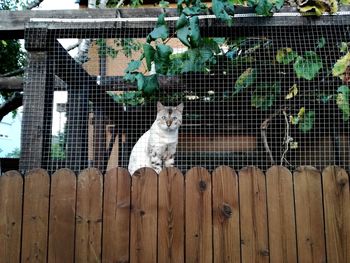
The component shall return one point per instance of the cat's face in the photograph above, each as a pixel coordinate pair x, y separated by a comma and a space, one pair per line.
169, 118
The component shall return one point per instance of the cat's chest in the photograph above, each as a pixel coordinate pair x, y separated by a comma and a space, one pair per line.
163, 139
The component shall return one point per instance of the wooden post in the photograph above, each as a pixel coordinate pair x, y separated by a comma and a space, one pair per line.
38, 92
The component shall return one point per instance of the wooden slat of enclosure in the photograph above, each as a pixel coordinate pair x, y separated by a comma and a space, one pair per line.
88, 230
35, 216
337, 214
198, 222
281, 216
116, 216
62, 216
309, 215
11, 196
226, 233
171, 216
254, 233
144, 198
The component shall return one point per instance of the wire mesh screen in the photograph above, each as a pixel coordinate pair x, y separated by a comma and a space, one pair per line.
264, 95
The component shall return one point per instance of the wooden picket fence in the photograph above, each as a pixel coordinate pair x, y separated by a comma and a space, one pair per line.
277, 217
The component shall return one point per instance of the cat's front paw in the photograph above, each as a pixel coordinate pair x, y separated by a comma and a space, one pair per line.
169, 163
157, 169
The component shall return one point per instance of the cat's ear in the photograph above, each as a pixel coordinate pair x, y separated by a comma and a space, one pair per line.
180, 107
159, 106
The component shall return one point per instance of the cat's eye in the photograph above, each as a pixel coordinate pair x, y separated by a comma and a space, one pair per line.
174, 118
163, 117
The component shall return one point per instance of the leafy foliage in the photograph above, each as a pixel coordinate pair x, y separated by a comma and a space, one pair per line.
308, 66
318, 7
266, 7
265, 95
286, 55
343, 101
341, 65
246, 79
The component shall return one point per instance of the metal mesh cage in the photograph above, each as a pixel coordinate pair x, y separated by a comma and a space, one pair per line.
254, 104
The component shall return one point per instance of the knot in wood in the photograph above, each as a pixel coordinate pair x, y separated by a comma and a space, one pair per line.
202, 185
226, 210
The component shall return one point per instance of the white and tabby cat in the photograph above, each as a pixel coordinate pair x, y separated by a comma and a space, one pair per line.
156, 147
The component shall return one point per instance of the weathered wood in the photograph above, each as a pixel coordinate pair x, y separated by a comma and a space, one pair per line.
171, 216
62, 216
198, 218
88, 229
144, 198
281, 216
309, 215
337, 214
11, 197
35, 216
37, 112
226, 233
116, 216
253, 212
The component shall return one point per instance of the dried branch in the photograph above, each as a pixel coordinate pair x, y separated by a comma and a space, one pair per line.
13, 103
263, 127
287, 138
13, 73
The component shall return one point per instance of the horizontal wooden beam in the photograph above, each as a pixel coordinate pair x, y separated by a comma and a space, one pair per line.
11, 83
12, 23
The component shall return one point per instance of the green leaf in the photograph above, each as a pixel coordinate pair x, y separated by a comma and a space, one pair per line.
162, 58
308, 66
285, 55
246, 79
149, 52
343, 101
307, 122
195, 34
132, 98
164, 4
133, 66
341, 65
343, 47
321, 42
223, 10
265, 95
147, 84
188, 31
160, 31
266, 7
293, 91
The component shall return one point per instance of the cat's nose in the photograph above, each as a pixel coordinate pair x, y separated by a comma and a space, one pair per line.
168, 123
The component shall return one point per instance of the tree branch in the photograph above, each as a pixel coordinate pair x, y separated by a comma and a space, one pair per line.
13, 103
13, 73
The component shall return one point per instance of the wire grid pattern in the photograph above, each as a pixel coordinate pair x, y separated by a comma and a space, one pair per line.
219, 127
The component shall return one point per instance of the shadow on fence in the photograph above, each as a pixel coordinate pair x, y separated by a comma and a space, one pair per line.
224, 216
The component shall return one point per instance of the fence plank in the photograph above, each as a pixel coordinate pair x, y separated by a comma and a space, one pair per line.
254, 233
226, 216
280, 200
11, 194
337, 214
309, 215
62, 216
35, 216
144, 197
198, 222
88, 216
116, 216
171, 219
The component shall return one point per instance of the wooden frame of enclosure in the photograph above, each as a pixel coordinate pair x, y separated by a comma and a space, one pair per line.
36, 94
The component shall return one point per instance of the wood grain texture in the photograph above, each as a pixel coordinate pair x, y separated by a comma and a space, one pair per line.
226, 232
11, 196
35, 216
116, 216
144, 198
171, 216
253, 212
337, 214
281, 216
62, 216
309, 215
88, 229
198, 222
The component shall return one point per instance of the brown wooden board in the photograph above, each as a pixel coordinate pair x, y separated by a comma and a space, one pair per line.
144, 198
88, 225
226, 233
11, 196
337, 213
281, 216
62, 216
198, 218
171, 217
253, 212
35, 216
309, 215
116, 216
